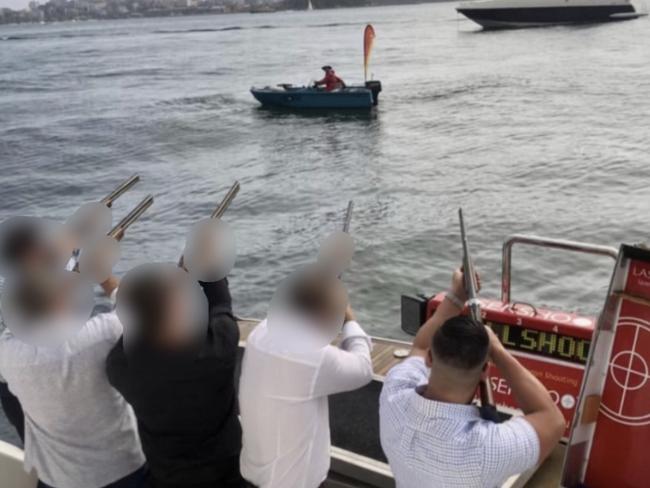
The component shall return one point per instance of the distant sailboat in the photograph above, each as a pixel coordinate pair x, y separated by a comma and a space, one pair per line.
309, 5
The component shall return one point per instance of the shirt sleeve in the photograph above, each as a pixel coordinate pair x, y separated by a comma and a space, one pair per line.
218, 295
348, 367
108, 325
512, 447
407, 375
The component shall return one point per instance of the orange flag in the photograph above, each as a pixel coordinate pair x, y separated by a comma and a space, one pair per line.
368, 39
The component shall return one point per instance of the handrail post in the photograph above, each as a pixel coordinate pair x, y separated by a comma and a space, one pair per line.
572, 246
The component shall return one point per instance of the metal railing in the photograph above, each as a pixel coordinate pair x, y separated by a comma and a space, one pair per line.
572, 246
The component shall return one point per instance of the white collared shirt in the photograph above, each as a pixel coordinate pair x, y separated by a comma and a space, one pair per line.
284, 409
432, 444
79, 431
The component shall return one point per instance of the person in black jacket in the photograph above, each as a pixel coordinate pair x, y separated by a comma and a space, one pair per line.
180, 379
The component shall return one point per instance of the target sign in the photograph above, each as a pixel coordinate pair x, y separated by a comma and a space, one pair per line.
626, 398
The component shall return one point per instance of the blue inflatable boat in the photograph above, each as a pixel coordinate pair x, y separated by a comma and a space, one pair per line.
302, 97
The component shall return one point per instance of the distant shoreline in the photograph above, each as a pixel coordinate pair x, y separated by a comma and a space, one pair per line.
47, 15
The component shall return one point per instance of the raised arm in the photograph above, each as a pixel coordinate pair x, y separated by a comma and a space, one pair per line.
223, 331
348, 367
218, 295
532, 397
450, 307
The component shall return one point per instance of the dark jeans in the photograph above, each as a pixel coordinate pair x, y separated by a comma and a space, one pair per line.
13, 410
225, 475
137, 479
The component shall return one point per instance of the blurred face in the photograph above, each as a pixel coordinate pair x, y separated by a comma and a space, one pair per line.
45, 308
36, 258
330, 318
209, 250
174, 330
45, 254
205, 247
162, 305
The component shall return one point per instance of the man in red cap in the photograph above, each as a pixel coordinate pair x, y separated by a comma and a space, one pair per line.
330, 80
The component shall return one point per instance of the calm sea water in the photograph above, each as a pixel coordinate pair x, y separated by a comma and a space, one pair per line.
539, 131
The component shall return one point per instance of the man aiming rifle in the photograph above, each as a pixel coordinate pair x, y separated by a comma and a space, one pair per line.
26, 248
290, 368
426, 402
75, 451
194, 441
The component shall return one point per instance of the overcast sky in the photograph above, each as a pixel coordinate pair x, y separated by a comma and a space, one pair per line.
14, 4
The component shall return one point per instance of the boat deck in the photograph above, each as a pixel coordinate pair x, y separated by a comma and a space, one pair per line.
354, 418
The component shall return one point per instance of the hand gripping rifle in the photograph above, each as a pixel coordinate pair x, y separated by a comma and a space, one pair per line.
488, 410
218, 212
120, 190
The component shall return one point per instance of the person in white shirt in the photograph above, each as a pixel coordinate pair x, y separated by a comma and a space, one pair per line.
79, 431
433, 435
288, 371
24, 247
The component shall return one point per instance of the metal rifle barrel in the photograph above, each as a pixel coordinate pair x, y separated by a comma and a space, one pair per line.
122, 188
227, 200
469, 276
348, 217
132, 216
487, 398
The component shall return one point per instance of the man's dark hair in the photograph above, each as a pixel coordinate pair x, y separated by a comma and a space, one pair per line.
144, 296
23, 236
461, 343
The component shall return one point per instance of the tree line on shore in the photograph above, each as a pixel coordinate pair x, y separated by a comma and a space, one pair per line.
67, 10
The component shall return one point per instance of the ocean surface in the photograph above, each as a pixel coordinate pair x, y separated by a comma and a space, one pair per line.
541, 131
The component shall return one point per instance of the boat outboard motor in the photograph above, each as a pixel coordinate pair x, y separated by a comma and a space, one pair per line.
375, 87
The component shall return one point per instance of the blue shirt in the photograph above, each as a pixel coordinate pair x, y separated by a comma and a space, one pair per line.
445, 445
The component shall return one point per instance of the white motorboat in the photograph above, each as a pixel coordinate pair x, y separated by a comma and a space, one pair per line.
503, 14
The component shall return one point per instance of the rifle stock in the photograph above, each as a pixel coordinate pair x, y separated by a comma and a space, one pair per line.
488, 410
120, 190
